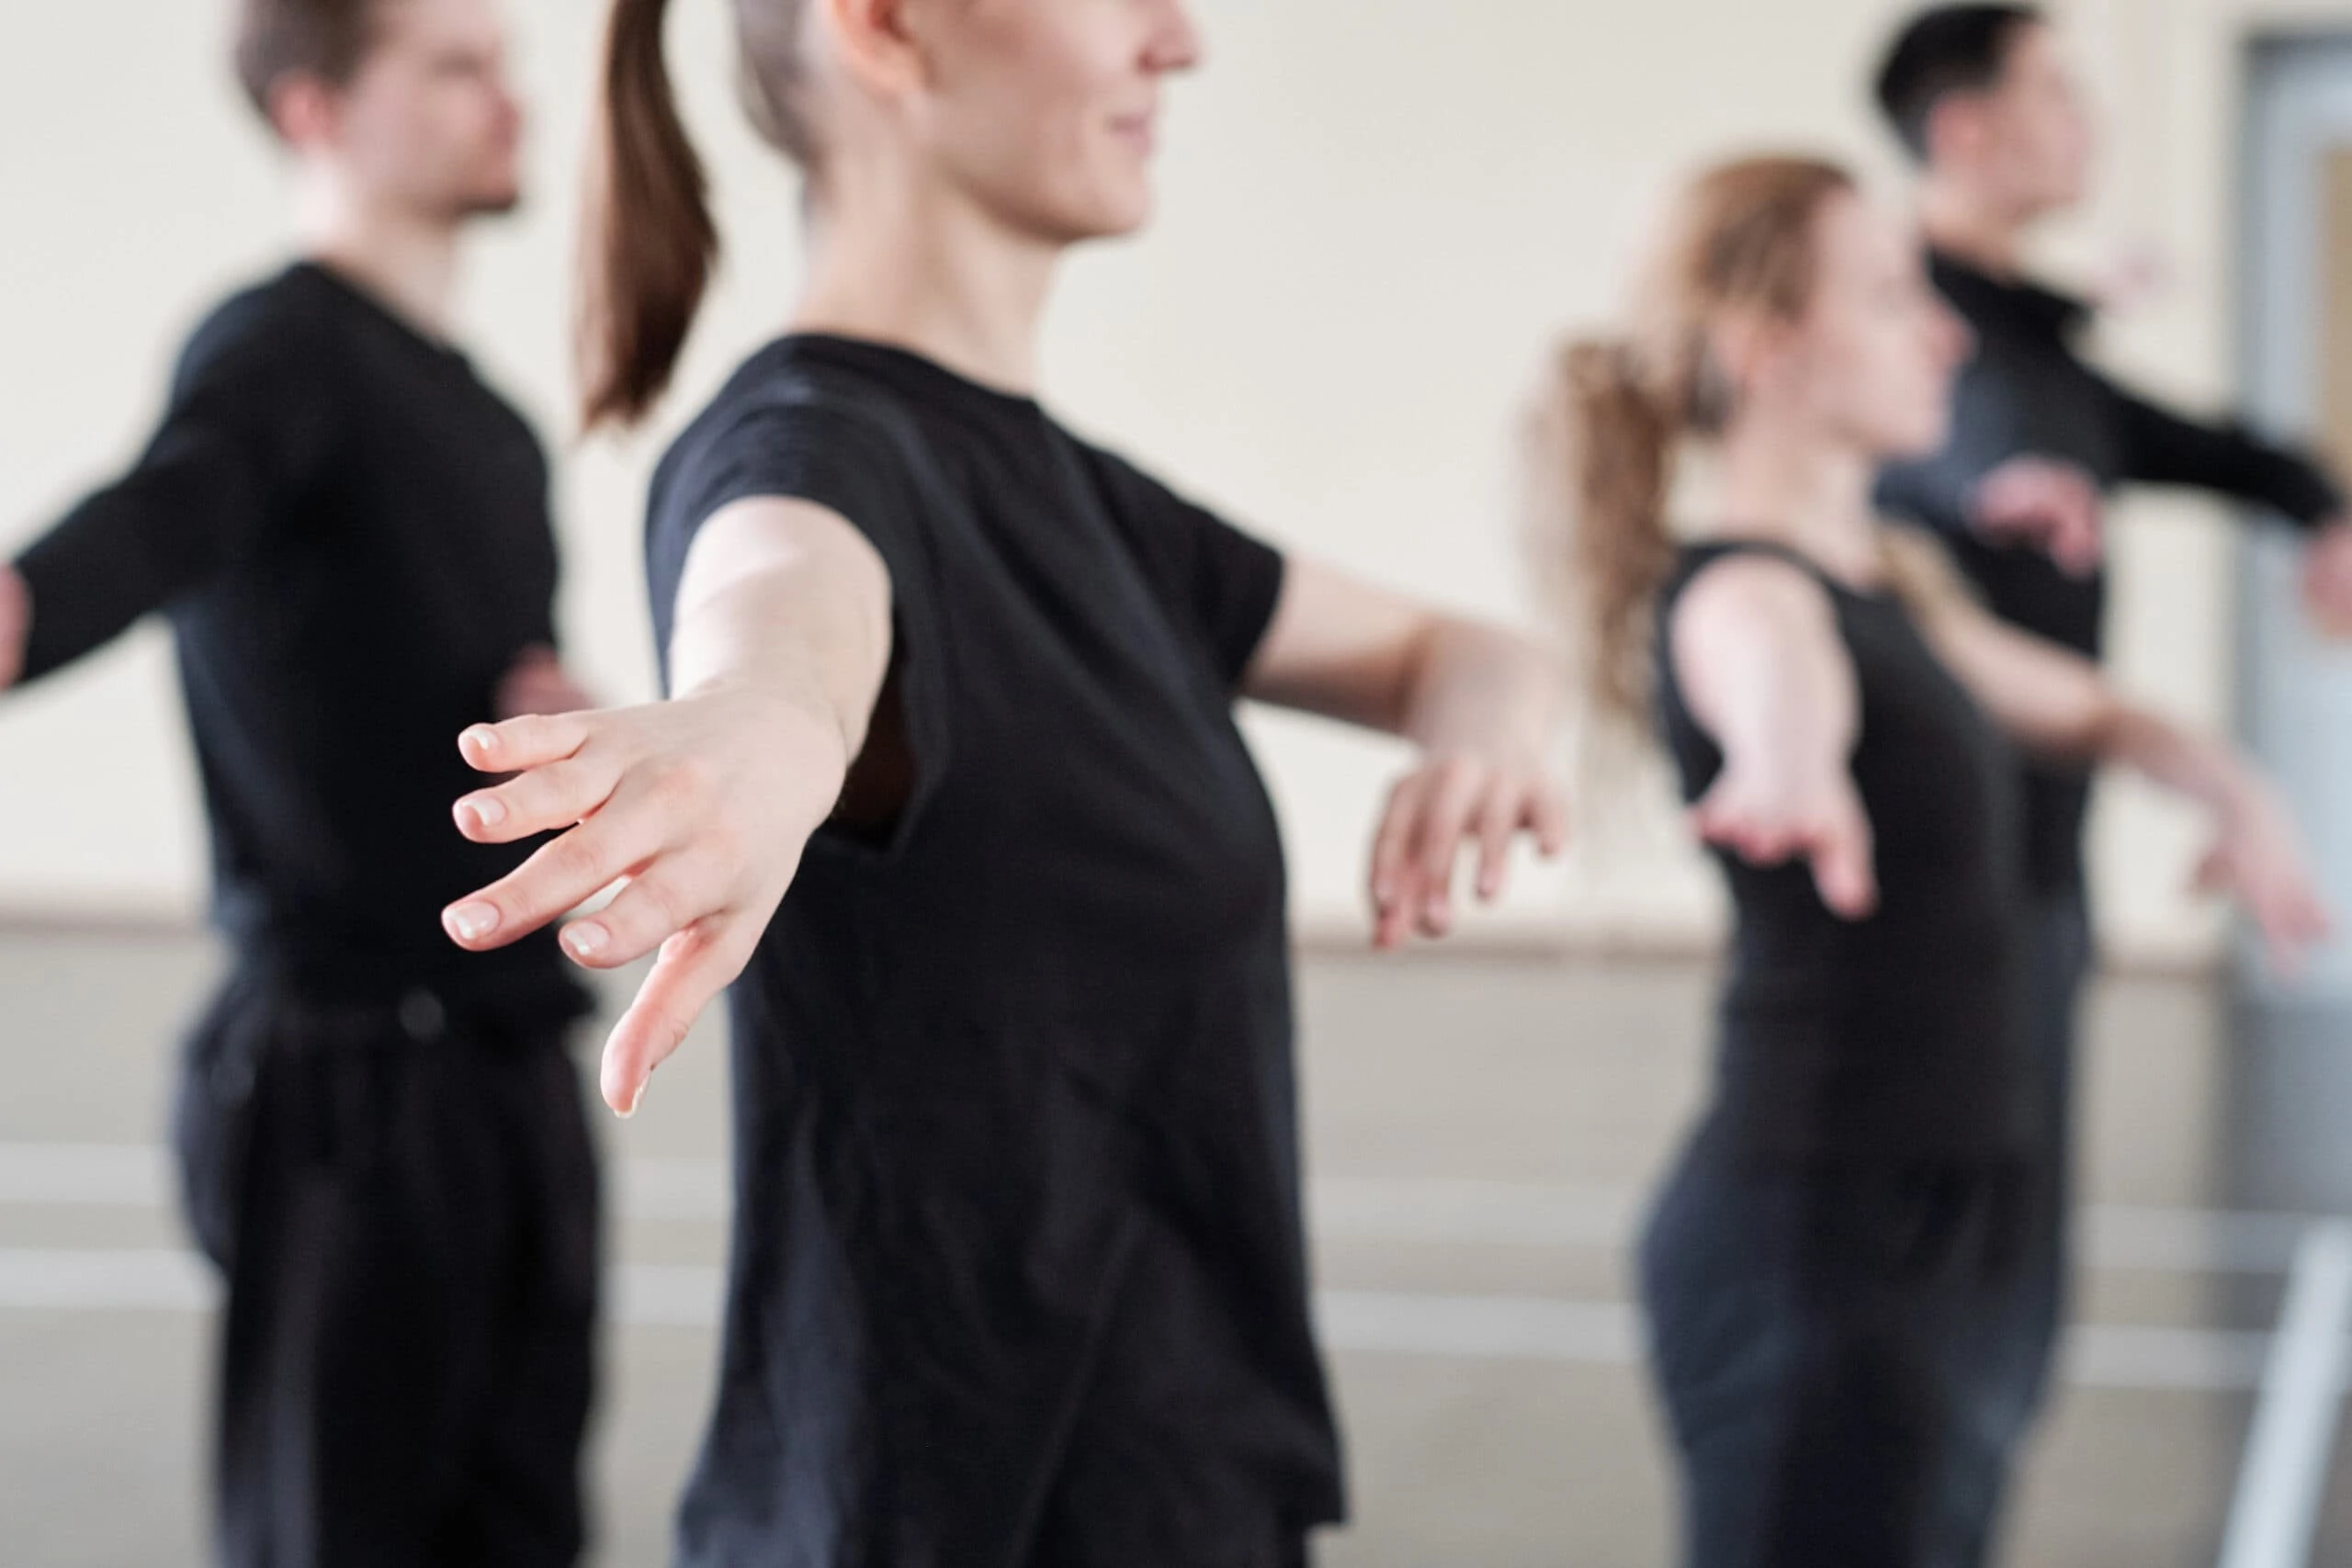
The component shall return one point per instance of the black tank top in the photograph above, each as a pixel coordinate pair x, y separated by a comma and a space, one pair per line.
1891, 1037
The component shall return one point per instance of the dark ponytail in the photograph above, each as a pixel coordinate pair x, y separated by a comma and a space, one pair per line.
649, 242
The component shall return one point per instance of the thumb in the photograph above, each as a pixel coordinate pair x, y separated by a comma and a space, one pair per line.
1715, 816
1843, 870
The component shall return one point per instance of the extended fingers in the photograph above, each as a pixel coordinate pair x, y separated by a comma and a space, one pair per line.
2080, 542
562, 876
2293, 918
1842, 868
1498, 822
1514, 804
1548, 819
1722, 818
694, 966
540, 800
1396, 879
531, 740
1392, 846
669, 895
1447, 815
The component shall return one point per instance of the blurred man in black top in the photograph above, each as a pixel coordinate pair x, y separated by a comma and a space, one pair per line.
383, 1139
1983, 99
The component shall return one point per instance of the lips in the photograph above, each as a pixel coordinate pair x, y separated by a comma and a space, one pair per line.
1140, 131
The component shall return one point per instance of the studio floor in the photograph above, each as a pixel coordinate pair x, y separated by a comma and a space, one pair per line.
1481, 1133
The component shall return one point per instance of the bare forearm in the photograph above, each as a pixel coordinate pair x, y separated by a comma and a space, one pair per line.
776, 613
1474, 687
2197, 766
1797, 716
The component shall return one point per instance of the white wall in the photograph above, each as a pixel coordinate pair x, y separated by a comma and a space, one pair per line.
1375, 213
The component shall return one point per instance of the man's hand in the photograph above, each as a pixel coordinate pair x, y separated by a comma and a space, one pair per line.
539, 687
2327, 578
2046, 505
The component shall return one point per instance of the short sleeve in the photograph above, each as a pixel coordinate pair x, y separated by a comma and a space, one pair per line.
1221, 583
821, 450
816, 451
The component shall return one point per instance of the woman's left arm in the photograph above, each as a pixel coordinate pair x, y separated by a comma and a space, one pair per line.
1483, 704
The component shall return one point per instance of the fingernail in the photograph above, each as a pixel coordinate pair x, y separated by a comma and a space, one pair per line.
471, 922
635, 1101
480, 739
488, 812
586, 940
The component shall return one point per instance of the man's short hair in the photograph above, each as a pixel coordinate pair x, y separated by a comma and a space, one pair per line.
1943, 50
325, 38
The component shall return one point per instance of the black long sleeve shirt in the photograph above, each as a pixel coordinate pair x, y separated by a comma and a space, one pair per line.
350, 533
2029, 392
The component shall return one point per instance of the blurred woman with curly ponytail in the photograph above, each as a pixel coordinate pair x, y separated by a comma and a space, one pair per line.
1841, 1321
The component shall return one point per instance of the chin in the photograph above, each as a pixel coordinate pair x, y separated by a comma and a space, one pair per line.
2061, 197
1906, 438
494, 201
1106, 220
1123, 204
1132, 221
1922, 441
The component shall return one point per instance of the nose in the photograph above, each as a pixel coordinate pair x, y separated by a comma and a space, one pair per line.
1176, 44
512, 114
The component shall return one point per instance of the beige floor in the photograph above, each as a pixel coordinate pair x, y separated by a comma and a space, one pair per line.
1479, 1130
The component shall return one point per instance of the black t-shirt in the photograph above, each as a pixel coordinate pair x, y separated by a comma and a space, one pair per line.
1889, 1038
351, 535
2027, 392
1040, 1023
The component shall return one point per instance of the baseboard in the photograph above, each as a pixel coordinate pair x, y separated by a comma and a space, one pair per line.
1322, 935
129, 918
1338, 936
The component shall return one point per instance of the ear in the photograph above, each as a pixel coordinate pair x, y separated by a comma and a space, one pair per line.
1956, 129
304, 111
1747, 345
877, 41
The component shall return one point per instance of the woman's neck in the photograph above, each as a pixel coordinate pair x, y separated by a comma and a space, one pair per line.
926, 272
1812, 496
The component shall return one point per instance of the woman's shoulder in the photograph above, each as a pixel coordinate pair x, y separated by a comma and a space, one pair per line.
1743, 575
785, 416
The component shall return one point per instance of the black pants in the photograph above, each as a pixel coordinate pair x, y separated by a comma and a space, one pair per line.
1832, 1348
2056, 961
404, 1205
1850, 1361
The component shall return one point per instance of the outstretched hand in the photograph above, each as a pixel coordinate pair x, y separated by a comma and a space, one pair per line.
2046, 505
1434, 812
1768, 821
2260, 859
702, 807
